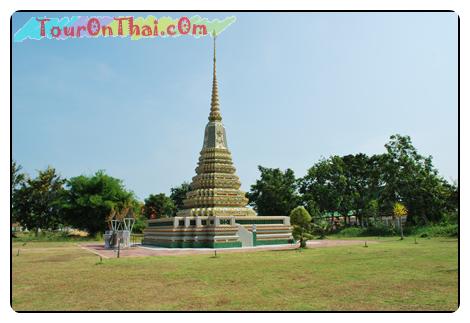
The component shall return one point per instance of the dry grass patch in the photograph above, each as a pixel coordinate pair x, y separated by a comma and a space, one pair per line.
393, 275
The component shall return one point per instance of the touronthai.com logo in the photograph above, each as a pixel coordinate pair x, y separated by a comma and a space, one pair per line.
136, 28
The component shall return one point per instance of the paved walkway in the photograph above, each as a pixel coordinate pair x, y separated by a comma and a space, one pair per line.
142, 251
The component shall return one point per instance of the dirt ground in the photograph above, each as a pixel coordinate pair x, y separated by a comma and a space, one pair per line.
143, 251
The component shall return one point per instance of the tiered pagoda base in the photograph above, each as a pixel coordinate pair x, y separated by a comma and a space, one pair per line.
218, 231
215, 212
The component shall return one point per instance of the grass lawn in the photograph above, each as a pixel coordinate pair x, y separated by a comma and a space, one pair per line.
389, 275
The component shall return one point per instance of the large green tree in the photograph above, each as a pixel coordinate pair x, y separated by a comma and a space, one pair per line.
341, 184
17, 180
275, 193
38, 201
158, 206
326, 186
91, 199
412, 179
360, 184
178, 194
369, 186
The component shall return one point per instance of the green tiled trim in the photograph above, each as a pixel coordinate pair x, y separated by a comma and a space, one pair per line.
235, 244
269, 242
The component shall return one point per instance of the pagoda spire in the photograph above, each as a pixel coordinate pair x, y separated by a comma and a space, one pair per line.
215, 110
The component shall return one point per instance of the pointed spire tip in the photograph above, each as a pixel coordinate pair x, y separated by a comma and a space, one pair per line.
215, 111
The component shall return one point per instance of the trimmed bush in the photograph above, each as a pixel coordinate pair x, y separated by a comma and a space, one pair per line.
438, 230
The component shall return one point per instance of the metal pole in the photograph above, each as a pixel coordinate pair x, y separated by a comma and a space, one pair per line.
119, 247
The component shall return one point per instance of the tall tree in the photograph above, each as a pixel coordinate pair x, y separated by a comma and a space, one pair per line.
178, 194
158, 206
325, 185
38, 201
358, 184
275, 193
412, 179
91, 199
17, 180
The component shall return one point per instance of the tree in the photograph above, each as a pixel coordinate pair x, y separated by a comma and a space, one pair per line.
321, 227
17, 180
412, 179
38, 201
400, 211
326, 186
91, 199
275, 193
178, 194
302, 222
372, 209
358, 193
341, 184
158, 206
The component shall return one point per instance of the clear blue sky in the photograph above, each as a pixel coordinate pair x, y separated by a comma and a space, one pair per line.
293, 87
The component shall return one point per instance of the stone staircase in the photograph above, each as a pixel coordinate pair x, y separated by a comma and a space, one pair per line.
245, 236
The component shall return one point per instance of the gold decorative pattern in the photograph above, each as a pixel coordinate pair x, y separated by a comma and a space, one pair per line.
215, 190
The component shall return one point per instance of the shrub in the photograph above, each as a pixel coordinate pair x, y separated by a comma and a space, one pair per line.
442, 230
139, 225
321, 227
380, 230
437, 230
301, 220
351, 232
50, 236
450, 217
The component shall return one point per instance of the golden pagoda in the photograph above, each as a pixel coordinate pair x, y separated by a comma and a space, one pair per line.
215, 190
215, 213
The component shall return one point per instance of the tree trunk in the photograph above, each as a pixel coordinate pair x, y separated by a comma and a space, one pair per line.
401, 229
425, 219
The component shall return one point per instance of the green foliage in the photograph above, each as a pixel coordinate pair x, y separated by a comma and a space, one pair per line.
158, 206
178, 194
275, 193
17, 180
369, 186
91, 199
412, 179
52, 236
140, 224
443, 230
366, 186
399, 210
340, 184
37, 201
350, 232
300, 216
438, 230
380, 230
450, 217
302, 223
321, 227
372, 209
